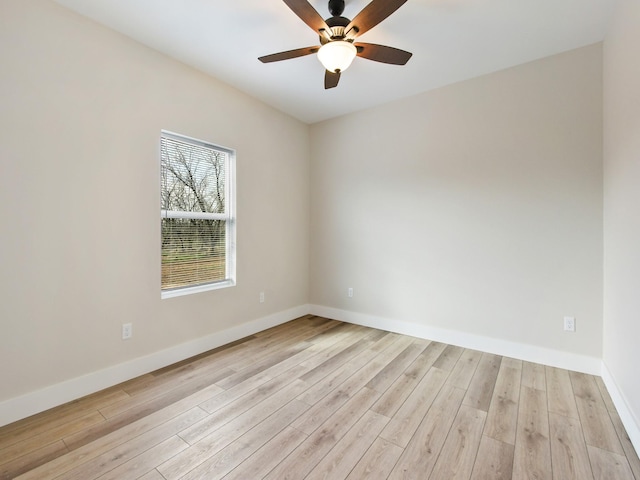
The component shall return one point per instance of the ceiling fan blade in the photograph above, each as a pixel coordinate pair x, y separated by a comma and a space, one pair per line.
373, 14
382, 53
298, 52
308, 14
331, 79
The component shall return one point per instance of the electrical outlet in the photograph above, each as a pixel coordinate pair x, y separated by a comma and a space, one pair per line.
569, 324
261, 297
127, 331
350, 292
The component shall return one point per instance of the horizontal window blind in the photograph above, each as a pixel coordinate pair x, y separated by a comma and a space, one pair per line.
195, 213
193, 177
193, 252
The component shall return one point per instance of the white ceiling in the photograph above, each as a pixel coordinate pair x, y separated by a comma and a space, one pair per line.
451, 40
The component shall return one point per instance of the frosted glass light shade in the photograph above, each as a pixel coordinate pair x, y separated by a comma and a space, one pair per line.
337, 55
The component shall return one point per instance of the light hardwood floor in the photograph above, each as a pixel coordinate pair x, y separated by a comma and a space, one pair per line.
320, 399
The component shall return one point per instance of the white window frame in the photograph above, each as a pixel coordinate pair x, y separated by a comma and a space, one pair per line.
229, 217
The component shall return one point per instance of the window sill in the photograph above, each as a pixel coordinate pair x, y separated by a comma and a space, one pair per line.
178, 292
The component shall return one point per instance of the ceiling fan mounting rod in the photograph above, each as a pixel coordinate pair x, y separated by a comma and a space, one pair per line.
336, 7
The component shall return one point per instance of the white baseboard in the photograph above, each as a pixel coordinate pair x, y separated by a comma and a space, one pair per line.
521, 351
629, 420
49, 397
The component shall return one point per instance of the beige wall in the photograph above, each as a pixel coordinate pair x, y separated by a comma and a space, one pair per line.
475, 208
622, 206
81, 109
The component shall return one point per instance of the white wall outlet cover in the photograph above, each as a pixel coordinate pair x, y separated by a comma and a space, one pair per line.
569, 324
127, 331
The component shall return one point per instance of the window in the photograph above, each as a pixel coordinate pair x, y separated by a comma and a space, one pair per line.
197, 215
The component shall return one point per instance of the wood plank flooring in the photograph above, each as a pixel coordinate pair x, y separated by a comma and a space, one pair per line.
320, 399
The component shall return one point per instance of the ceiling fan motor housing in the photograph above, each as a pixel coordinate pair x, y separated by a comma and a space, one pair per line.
337, 26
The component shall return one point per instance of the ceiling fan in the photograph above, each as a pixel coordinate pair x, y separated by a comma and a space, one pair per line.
337, 48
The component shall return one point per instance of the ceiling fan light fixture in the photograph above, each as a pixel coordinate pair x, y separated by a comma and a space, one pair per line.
336, 56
